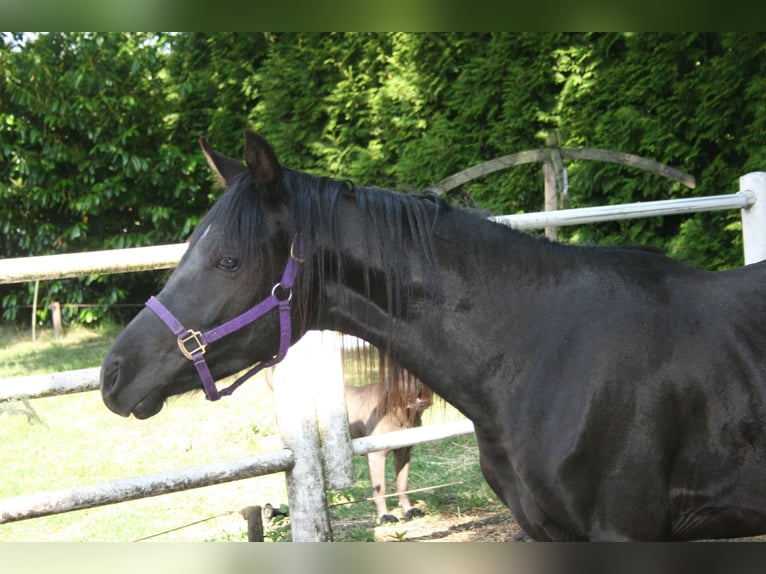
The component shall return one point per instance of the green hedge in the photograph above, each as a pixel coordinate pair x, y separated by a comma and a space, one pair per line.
98, 131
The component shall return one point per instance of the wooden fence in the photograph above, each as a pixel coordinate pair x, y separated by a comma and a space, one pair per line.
313, 430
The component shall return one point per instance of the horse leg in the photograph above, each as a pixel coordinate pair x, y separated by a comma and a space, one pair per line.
402, 466
376, 462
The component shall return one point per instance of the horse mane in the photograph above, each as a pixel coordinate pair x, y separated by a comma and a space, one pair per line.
398, 228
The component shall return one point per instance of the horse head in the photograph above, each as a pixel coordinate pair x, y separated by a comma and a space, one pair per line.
235, 261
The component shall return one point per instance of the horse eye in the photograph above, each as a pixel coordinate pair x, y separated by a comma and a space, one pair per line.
228, 264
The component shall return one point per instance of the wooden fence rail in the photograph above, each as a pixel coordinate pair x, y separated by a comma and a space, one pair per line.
750, 199
59, 501
49, 384
122, 490
68, 265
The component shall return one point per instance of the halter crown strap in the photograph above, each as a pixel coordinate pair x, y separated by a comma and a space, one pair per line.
193, 344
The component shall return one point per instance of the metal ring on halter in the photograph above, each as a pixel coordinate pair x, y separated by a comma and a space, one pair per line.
289, 292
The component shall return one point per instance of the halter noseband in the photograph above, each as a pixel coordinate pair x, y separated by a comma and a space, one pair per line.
193, 344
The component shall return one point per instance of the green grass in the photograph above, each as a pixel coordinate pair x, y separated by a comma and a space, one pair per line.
78, 348
79, 442
453, 462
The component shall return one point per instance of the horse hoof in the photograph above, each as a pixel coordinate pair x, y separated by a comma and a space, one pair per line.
413, 513
388, 518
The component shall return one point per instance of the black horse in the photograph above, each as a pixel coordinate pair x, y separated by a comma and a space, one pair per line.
615, 393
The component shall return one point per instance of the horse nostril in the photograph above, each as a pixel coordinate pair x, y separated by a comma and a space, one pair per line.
110, 383
110, 374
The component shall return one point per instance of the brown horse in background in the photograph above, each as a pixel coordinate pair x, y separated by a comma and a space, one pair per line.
396, 402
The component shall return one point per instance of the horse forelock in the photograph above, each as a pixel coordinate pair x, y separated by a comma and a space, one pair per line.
240, 229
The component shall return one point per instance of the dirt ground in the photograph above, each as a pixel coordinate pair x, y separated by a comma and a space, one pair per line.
496, 525
474, 526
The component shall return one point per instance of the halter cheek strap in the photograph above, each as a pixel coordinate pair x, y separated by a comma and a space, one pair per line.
193, 344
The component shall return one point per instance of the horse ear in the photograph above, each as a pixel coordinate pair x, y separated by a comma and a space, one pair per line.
263, 164
224, 168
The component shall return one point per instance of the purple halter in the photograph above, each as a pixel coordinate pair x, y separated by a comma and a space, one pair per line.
193, 344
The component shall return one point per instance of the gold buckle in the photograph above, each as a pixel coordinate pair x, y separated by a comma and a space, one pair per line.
193, 336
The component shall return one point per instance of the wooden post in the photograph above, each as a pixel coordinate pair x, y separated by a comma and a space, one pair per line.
550, 197
551, 183
34, 311
254, 519
327, 384
296, 418
58, 330
754, 217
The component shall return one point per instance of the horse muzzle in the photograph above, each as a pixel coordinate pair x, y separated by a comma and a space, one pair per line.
119, 396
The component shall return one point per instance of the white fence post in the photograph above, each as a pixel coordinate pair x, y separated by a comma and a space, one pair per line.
307, 371
327, 384
754, 217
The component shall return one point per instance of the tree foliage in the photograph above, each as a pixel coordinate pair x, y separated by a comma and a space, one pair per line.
688, 100
98, 131
82, 146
